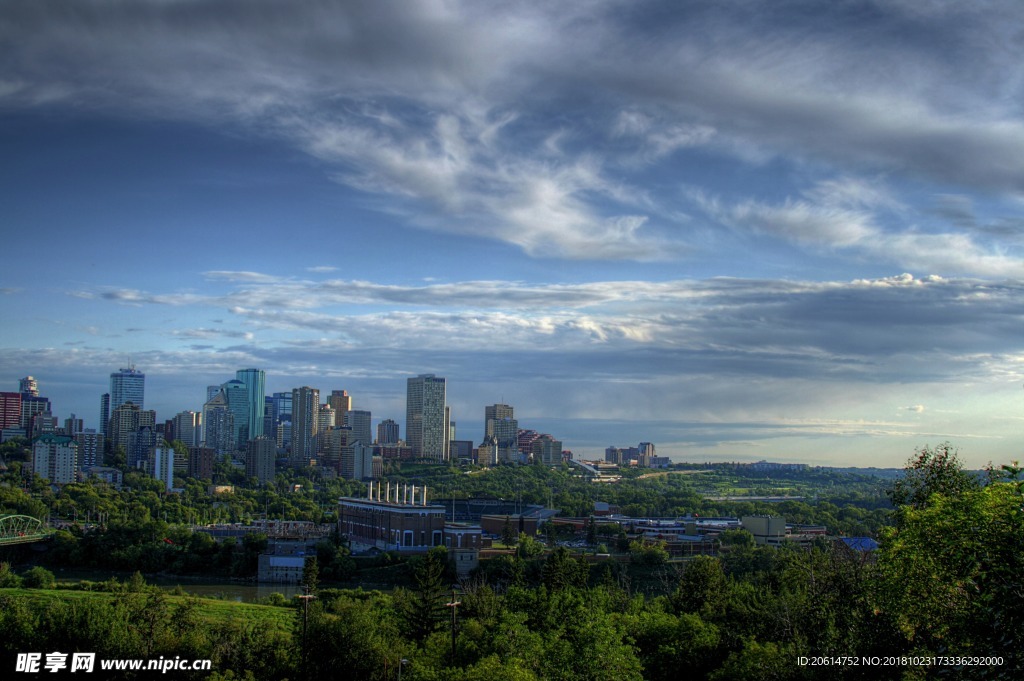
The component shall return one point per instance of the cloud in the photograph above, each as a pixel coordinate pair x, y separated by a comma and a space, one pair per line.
492, 123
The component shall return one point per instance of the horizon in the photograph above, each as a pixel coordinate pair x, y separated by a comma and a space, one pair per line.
738, 231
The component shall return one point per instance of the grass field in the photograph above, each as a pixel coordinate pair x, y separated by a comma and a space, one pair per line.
217, 612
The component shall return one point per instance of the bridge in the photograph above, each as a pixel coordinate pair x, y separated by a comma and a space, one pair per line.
22, 529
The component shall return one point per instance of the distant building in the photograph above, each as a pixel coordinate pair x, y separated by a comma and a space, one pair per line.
111, 476
29, 386
188, 428
55, 457
305, 423
360, 422
32, 406
90, 448
161, 465
236, 395
218, 424
547, 450
73, 426
200, 462
341, 402
254, 381
387, 432
127, 385
426, 419
10, 410
260, 460
356, 461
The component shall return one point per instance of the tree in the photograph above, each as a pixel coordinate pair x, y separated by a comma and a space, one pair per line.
311, 574
423, 608
39, 578
702, 588
509, 536
929, 472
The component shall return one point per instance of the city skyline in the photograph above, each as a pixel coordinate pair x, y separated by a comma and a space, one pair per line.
742, 231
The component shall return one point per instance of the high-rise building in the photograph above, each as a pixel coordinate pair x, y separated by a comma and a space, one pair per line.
127, 385
493, 413
426, 427
237, 397
260, 459
161, 465
254, 380
188, 428
73, 426
28, 386
200, 462
218, 424
305, 422
31, 407
126, 419
325, 421
282, 411
90, 448
547, 450
356, 461
341, 402
360, 421
104, 414
387, 432
55, 457
10, 410
140, 446
211, 392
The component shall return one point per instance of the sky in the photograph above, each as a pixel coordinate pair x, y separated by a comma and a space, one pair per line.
740, 230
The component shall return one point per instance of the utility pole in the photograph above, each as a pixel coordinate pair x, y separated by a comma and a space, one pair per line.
454, 605
305, 616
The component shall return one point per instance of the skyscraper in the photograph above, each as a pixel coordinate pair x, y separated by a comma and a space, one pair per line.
127, 385
493, 413
237, 397
10, 410
387, 432
29, 386
218, 424
360, 422
188, 428
305, 423
254, 380
341, 402
259, 462
426, 427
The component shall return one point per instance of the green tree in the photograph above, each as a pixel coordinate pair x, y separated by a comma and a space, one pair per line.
423, 608
702, 588
929, 472
39, 578
311, 574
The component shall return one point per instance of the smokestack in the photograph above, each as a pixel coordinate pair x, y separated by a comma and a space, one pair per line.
424, 495
369, 491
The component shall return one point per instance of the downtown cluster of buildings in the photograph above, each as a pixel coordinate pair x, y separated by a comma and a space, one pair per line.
240, 422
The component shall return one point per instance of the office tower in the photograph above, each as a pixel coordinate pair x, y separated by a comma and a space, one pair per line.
269, 427
341, 402
218, 424
325, 421
40, 424
31, 407
124, 420
259, 462
90, 448
55, 457
282, 411
10, 410
284, 434
360, 422
73, 425
104, 414
237, 397
305, 420
188, 428
387, 432
28, 386
211, 392
646, 455
127, 385
547, 450
493, 413
356, 461
161, 466
254, 380
425, 428
140, 445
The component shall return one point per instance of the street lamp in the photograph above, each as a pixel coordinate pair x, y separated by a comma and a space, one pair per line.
305, 615
401, 663
454, 605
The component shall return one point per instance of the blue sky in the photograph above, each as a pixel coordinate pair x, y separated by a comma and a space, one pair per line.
740, 230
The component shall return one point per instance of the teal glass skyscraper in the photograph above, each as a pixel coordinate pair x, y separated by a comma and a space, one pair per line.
254, 380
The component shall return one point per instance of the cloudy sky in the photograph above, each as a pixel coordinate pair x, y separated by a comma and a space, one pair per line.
740, 230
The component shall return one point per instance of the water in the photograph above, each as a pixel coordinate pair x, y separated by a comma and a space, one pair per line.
202, 587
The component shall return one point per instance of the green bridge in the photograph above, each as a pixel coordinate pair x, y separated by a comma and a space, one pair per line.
22, 529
